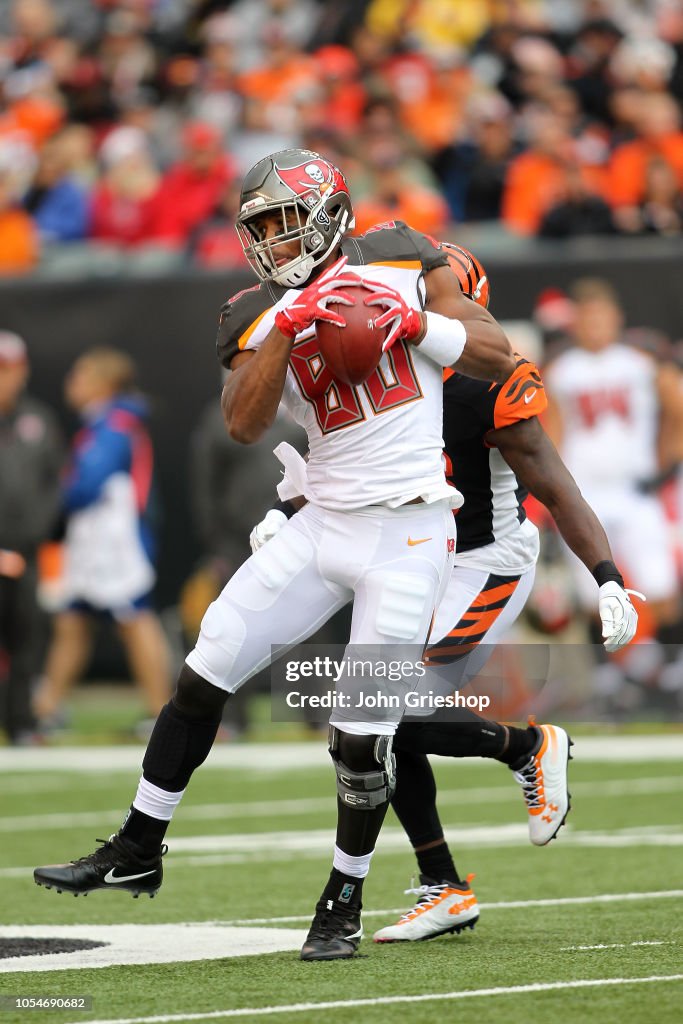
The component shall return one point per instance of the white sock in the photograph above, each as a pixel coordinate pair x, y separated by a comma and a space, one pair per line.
357, 867
155, 802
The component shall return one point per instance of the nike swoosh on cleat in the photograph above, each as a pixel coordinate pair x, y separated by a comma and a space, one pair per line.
112, 879
422, 540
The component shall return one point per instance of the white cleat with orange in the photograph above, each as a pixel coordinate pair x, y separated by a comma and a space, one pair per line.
544, 783
441, 909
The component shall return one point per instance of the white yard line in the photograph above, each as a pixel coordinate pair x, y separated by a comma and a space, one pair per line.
615, 945
510, 990
448, 797
275, 757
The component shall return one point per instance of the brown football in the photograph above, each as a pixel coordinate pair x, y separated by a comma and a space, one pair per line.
352, 352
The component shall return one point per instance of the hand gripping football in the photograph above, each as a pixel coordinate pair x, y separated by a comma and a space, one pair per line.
352, 352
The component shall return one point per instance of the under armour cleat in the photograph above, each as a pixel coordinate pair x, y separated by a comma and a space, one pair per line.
544, 783
335, 933
115, 865
442, 908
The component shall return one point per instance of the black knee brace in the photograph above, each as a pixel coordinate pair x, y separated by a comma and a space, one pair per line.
360, 783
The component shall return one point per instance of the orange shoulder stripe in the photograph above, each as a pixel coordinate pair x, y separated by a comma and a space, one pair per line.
244, 338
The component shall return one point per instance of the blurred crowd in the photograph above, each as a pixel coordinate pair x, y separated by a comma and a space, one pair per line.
125, 125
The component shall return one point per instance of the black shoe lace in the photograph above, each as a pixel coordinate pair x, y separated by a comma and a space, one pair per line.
528, 778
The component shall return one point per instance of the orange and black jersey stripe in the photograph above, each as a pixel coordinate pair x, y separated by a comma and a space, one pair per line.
475, 622
392, 244
493, 497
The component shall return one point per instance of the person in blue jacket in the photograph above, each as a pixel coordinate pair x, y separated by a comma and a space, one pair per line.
109, 541
56, 200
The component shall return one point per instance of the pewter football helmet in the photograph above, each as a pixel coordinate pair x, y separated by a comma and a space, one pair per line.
313, 199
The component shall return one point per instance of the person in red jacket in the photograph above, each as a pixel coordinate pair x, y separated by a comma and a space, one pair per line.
191, 189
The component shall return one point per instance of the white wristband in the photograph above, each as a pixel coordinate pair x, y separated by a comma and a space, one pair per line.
445, 339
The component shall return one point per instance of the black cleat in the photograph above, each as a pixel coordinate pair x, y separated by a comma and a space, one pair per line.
335, 933
116, 865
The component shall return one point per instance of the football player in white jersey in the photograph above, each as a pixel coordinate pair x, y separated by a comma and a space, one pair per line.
373, 482
616, 416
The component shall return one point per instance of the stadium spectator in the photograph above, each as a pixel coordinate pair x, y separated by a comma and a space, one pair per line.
77, 145
31, 456
215, 243
274, 84
448, 24
253, 24
537, 69
381, 133
57, 202
431, 90
661, 210
123, 202
18, 237
578, 210
190, 189
207, 87
588, 65
109, 543
473, 170
536, 178
343, 96
125, 57
644, 62
659, 134
395, 197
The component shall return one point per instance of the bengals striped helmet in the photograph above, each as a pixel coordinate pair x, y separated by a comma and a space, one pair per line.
469, 272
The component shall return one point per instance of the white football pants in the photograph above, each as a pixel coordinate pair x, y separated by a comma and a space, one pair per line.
392, 563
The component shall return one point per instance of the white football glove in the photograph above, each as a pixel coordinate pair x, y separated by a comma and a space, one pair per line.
267, 528
619, 617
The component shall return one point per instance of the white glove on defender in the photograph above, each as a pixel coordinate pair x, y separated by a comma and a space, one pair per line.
619, 617
267, 528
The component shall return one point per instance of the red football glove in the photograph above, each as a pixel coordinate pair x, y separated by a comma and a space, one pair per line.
403, 322
311, 305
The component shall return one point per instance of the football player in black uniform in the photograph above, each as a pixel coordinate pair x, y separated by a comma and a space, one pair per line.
496, 452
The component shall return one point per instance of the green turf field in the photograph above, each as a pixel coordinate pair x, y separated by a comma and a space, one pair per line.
253, 845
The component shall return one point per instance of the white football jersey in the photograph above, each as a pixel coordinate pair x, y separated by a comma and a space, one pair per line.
379, 443
609, 407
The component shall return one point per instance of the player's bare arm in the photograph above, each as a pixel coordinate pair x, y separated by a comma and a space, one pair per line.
253, 390
536, 463
487, 354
